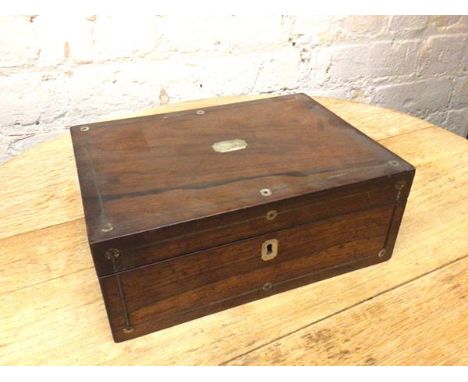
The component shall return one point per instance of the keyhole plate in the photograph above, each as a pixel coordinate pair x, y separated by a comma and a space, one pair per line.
269, 249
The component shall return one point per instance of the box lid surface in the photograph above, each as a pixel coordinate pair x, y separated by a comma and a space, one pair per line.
147, 173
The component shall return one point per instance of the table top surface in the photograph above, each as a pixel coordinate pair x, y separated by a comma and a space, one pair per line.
411, 310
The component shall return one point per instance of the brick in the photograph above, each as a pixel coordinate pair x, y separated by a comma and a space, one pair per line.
31, 99
319, 64
376, 59
457, 122
392, 58
221, 75
443, 21
368, 26
408, 23
463, 65
223, 34
463, 22
460, 94
348, 62
441, 54
448, 24
251, 33
280, 71
418, 98
68, 38
124, 36
100, 89
18, 44
313, 30
438, 118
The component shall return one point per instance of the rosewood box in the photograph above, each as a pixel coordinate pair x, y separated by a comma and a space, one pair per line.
193, 212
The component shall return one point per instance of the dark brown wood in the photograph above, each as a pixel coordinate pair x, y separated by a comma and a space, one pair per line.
139, 250
223, 273
176, 228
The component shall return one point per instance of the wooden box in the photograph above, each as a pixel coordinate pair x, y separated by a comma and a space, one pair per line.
193, 212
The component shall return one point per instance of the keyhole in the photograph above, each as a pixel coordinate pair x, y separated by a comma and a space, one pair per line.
269, 249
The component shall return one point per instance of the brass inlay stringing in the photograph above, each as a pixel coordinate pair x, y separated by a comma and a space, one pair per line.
112, 254
399, 186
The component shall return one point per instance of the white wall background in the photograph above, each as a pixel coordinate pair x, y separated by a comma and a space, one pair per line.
57, 72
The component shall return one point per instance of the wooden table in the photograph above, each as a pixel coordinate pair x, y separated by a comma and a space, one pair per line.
410, 310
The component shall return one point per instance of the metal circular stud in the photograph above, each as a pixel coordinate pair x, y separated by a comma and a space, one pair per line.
382, 253
200, 112
265, 192
107, 227
112, 253
400, 185
84, 128
393, 163
267, 286
271, 215
128, 330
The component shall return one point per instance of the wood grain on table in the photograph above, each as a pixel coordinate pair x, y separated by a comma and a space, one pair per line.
411, 310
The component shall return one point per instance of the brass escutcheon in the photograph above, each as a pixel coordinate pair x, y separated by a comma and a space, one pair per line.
269, 249
230, 145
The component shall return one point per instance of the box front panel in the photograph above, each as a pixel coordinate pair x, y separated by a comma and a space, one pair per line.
172, 291
153, 247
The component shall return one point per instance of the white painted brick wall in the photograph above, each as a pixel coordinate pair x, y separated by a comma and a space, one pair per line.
56, 72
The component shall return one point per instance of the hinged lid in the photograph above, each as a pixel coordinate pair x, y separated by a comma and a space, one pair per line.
149, 173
